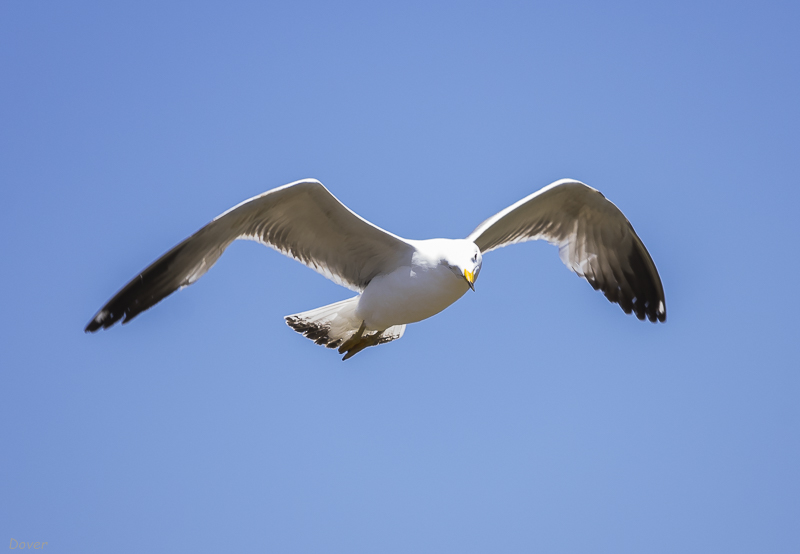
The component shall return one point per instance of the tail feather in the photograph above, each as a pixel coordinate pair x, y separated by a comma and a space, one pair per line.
332, 325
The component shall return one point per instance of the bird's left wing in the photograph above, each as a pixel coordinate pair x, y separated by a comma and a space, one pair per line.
594, 238
302, 220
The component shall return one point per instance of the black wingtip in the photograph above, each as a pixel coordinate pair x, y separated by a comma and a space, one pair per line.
102, 320
94, 325
661, 313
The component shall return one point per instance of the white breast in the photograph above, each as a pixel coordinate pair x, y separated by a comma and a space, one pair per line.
409, 294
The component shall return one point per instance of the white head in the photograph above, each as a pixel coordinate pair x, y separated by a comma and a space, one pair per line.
463, 257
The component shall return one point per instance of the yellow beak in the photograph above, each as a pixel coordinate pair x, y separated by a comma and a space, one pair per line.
470, 277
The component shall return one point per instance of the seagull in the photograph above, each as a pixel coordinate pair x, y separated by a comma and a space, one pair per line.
401, 281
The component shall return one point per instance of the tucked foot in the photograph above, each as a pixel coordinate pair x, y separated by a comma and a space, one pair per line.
353, 340
365, 342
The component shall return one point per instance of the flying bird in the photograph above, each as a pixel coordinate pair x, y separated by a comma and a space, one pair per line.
401, 281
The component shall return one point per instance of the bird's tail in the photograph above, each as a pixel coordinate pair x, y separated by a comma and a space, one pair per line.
334, 324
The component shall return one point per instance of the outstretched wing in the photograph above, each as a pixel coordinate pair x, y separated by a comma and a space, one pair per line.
594, 240
302, 220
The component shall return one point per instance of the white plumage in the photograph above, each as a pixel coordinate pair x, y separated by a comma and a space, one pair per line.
402, 281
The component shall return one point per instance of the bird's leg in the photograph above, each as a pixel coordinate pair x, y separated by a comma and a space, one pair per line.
365, 342
349, 343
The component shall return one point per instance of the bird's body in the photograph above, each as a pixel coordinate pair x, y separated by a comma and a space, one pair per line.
402, 281
416, 291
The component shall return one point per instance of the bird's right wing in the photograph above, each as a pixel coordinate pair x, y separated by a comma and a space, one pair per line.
302, 220
594, 238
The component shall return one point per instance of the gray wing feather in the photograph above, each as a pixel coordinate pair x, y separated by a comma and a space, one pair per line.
302, 220
594, 238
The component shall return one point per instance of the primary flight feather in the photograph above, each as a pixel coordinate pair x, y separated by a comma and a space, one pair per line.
402, 281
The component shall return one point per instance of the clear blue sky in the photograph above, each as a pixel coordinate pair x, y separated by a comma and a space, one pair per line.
532, 416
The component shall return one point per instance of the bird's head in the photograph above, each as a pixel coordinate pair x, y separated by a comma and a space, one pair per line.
464, 259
